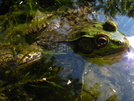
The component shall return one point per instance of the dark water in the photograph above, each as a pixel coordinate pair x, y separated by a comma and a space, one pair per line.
100, 82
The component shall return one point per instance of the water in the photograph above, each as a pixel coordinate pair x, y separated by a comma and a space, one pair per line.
126, 26
114, 81
108, 82
80, 79
119, 76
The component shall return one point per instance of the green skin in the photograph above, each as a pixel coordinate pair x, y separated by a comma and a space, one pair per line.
116, 40
103, 40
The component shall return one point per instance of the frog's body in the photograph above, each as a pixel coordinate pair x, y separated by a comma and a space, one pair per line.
90, 40
98, 43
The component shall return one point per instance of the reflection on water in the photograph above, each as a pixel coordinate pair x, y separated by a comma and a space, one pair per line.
70, 76
130, 55
114, 7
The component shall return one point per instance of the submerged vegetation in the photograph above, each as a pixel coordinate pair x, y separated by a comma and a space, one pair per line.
49, 5
34, 82
37, 80
20, 25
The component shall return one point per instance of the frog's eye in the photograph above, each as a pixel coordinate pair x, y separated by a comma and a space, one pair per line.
102, 40
86, 45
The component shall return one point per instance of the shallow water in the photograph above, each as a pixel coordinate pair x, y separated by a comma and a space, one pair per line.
100, 82
117, 78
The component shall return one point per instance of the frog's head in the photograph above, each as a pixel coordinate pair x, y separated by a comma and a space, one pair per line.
99, 39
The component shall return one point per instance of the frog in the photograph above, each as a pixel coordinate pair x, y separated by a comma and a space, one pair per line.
93, 46
88, 41
91, 40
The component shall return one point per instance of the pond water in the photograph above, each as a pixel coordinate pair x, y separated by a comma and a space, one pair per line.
66, 75
108, 82
126, 25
